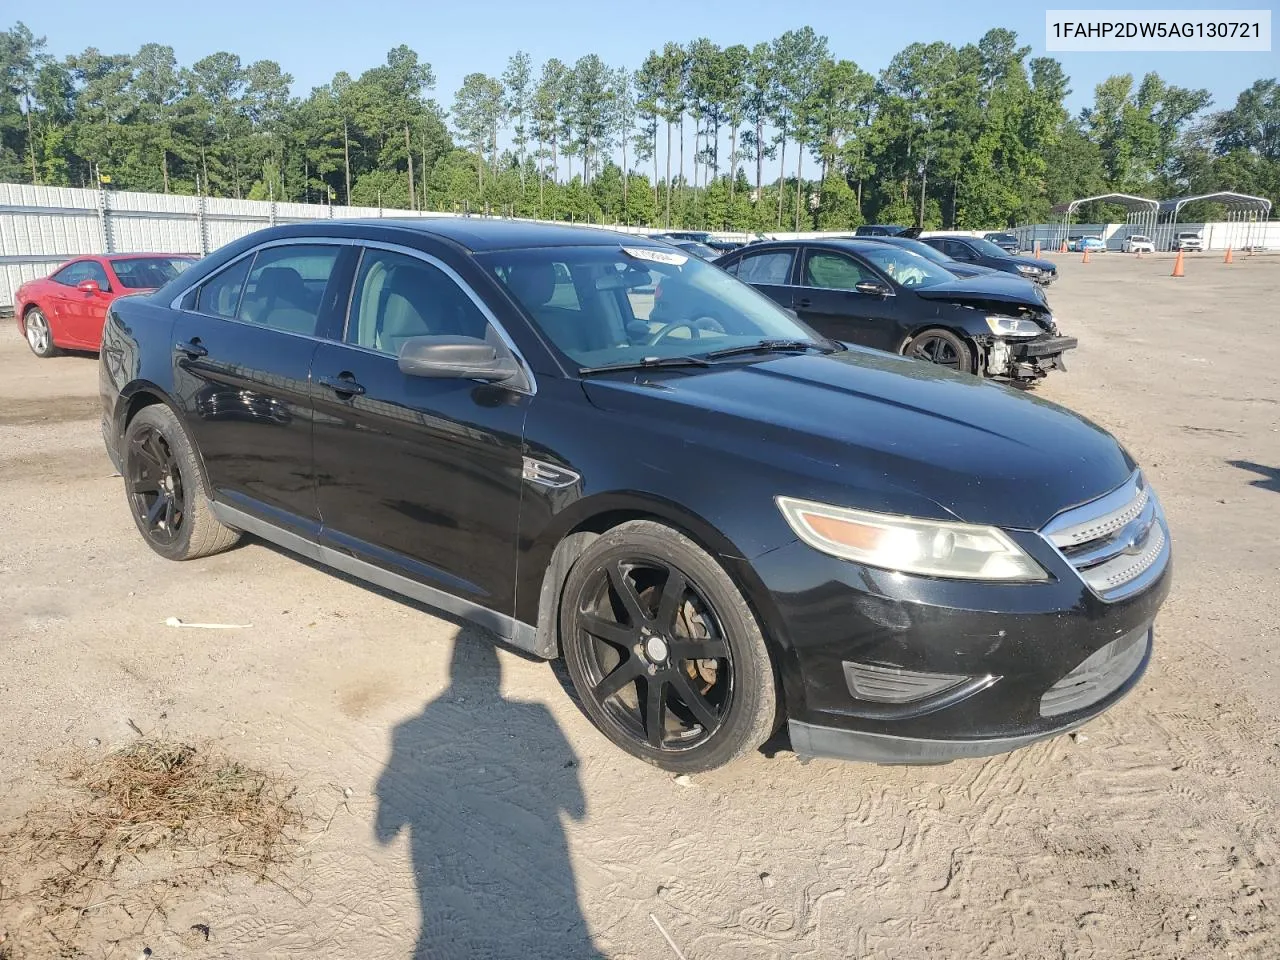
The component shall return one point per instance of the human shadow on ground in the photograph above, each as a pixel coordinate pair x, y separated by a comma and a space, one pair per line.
480, 783
1268, 477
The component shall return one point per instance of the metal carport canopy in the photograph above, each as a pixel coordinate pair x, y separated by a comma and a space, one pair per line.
1142, 211
1242, 208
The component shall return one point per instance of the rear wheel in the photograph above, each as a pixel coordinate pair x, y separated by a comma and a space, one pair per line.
166, 490
664, 652
39, 335
941, 347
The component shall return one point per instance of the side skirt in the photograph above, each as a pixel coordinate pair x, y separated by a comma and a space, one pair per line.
515, 632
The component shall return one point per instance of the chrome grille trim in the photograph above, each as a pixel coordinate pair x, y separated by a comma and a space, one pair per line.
1118, 543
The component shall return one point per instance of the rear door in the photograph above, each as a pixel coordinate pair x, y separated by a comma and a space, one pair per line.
829, 302
420, 476
241, 371
769, 271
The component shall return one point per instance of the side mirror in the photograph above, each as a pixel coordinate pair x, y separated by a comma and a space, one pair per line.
455, 358
871, 288
88, 286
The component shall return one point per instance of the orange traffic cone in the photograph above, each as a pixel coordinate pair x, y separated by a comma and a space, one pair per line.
1085, 258
1177, 266
1227, 258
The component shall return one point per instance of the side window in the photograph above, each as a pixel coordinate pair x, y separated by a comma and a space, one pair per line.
220, 294
398, 296
832, 271
72, 273
95, 271
958, 250
768, 266
286, 287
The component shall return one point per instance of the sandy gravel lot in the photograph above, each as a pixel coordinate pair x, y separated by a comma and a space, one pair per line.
487, 818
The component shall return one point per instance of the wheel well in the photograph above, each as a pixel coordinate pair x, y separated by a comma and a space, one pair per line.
974, 348
566, 554
139, 400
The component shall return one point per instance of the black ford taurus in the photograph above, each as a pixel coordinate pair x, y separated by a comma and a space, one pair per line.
884, 295
721, 519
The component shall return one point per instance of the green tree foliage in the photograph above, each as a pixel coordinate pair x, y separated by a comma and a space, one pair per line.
960, 136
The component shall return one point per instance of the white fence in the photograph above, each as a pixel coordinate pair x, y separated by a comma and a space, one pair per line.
40, 227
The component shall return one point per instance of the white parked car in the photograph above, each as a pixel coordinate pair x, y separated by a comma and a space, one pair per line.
1137, 243
1187, 241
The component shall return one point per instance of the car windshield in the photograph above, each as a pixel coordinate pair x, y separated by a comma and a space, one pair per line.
602, 306
905, 267
1139, 238
1002, 238
148, 273
986, 247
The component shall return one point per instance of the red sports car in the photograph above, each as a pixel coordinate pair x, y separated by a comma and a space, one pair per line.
68, 308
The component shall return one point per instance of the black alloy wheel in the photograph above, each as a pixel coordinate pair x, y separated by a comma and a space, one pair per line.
659, 652
166, 490
156, 490
941, 347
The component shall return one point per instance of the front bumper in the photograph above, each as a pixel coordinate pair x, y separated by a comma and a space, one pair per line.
1028, 359
1024, 658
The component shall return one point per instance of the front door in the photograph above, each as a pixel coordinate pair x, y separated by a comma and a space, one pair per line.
419, 476
242, 363
830, 302
85, 312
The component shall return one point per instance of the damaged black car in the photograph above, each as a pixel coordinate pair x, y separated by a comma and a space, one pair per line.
890, 298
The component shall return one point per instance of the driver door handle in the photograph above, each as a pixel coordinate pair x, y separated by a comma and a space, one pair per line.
804, 302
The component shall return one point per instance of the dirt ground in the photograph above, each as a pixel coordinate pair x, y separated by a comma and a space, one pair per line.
1152, 834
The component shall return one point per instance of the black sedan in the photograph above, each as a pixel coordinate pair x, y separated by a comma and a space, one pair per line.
1008, 242
984, 253
719, 520
882, 295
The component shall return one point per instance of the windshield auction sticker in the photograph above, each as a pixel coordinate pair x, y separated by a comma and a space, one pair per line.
1188, 31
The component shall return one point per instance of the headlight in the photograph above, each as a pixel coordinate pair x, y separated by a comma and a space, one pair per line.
1029, 270
1013, 327
928, 548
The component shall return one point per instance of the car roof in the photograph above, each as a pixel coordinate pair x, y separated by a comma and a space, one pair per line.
478, 235
855, 244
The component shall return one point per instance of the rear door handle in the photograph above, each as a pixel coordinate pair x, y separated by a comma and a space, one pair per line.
343, 385
192, 348
804, 302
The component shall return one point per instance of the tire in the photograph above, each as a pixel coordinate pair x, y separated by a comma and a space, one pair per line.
166, 491
936, 343
694, 608
39, 335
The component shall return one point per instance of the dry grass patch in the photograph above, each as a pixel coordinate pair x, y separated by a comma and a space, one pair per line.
149, 818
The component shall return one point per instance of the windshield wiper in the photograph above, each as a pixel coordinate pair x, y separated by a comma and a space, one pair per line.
771, 346
647, 363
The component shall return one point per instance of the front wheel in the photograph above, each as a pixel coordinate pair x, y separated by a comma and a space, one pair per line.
664, 651
941, 347
39, 334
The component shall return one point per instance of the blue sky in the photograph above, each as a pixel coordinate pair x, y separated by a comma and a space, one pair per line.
312, 40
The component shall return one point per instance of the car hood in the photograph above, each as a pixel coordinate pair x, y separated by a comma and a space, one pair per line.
995, 291
875, 430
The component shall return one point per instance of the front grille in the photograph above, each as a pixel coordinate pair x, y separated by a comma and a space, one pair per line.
1099, 676
1118, 543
